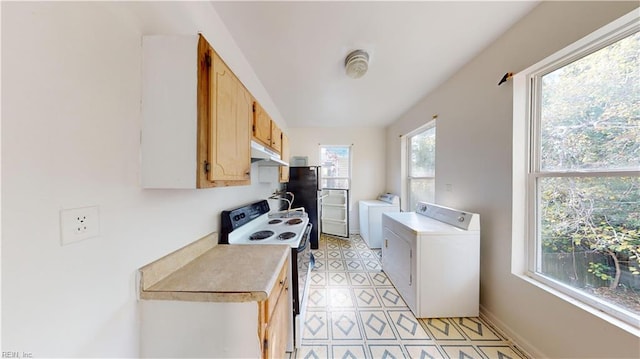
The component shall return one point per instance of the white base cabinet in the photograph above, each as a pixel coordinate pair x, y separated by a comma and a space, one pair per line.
180, 329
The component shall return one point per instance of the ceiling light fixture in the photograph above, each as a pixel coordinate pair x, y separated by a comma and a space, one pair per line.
357, 63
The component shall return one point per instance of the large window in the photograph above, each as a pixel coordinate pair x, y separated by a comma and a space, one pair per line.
336, 166
421, 165
582, 175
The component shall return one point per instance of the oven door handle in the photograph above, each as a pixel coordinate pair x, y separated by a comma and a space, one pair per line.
305, 238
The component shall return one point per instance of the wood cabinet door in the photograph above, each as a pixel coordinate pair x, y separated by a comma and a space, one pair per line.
261, 125
284, 170
272, 336
276, 137
205, 63
278, 328
230, 129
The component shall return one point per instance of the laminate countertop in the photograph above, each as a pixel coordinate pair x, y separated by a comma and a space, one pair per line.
223, 273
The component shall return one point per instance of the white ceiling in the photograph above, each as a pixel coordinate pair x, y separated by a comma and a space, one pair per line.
297, 50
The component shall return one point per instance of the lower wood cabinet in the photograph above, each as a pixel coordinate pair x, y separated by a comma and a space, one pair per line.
276, 318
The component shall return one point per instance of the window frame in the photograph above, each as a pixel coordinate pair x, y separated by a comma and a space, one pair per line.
407, 161
527, 173
350, 169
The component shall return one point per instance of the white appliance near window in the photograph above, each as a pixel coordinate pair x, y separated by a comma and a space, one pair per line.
335, 212
432, 257
371, 217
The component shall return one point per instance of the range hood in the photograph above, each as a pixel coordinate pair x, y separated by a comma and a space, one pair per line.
267, 156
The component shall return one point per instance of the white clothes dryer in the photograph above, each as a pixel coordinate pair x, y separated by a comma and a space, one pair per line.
371, 217
432, 257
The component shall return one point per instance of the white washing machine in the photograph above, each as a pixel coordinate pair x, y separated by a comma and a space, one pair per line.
432, 257
371, 217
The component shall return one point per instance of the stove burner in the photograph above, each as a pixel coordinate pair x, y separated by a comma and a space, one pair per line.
294, 221
275, 221
286, 235
261, 235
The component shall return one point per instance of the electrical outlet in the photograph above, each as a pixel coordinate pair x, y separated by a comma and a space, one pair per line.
79, 223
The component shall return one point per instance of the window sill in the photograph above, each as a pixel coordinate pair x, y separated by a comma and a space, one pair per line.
587, 308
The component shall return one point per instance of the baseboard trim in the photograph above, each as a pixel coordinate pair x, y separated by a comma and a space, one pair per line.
518, 341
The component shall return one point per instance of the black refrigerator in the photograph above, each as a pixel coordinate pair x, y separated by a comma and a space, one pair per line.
304, 183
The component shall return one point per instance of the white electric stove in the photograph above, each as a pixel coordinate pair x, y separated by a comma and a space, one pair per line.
268, 230
253, 225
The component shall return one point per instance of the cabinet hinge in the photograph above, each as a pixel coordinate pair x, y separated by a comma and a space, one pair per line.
265, 345
207, 59
253, 107
253, 128
207, 167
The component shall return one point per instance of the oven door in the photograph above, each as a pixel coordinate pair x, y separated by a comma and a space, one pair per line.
305, 262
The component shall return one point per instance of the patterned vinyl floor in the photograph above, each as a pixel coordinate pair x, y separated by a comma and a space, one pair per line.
354, 311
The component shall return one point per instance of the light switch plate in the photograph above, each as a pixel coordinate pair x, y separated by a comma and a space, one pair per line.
79, 223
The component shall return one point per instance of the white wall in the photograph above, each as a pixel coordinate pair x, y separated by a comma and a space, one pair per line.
474, 156
70, 138
368, 159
